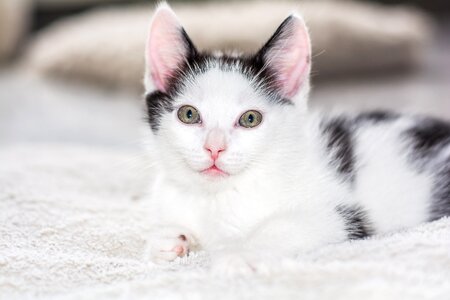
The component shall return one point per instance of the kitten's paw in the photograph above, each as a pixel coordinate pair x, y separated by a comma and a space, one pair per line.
168, 243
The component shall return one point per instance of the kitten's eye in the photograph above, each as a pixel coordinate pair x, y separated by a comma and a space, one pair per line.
188, 114
250, 119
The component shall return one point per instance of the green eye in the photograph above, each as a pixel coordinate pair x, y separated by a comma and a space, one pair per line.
250, 119
188, 115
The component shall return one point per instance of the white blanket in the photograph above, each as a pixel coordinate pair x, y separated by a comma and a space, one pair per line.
73, 226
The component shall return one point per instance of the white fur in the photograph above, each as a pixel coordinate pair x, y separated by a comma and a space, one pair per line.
391, 190
281, 196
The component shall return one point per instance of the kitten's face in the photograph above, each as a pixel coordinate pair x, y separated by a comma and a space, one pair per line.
225, 103
217, 116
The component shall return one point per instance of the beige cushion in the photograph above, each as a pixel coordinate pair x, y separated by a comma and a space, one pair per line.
71, 3
14, 16
106, 46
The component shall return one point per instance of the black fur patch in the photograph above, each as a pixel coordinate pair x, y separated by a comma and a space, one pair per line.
339, 143
356, 221
376, 116
428, 137
158, 103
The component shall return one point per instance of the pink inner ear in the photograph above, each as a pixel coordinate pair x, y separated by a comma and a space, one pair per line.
166, 48
291, 60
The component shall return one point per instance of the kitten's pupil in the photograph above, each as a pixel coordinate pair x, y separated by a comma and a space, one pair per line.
189, 114
251, 118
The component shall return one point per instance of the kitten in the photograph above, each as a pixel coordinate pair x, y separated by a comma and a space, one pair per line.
246, 173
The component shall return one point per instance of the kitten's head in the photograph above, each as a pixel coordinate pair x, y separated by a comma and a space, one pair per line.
218, 116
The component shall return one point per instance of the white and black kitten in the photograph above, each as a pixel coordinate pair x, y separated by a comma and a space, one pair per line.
246, 173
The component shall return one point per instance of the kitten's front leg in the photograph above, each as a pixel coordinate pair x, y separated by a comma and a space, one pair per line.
167, 242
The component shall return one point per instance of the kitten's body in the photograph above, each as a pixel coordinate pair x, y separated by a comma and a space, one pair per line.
294, 183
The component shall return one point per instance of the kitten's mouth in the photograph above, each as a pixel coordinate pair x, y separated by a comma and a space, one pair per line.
214, 171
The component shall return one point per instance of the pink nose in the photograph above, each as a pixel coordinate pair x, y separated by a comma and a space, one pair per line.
214, 151
215, 143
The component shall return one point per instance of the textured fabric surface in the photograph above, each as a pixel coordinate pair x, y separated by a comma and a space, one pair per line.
74, 223
106, 46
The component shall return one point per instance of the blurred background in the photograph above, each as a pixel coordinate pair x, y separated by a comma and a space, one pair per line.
71, 70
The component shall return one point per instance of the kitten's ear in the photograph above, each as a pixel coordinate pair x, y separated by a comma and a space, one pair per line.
287, 56
168, 47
